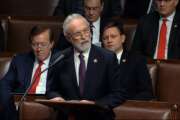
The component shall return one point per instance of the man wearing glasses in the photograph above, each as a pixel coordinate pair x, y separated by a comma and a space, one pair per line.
88, 74
158, 34
26, 68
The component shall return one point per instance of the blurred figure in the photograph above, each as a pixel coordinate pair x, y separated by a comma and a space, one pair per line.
93, 10
157, 34
66, 7
134, 74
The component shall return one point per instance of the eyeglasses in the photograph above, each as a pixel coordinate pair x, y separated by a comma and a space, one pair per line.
79, 34
40, 45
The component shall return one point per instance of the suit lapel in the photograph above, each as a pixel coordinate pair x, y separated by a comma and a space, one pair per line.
124, 59
71, 71
92, 69
102, 24
29, 69
173, 39
154, 37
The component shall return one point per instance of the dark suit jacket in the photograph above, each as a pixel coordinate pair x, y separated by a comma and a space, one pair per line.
135, 76
135, 8
17, 80
66, 7
145, 39
111, 8
101, 84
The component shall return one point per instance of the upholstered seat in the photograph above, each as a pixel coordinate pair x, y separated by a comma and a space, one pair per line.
4, 65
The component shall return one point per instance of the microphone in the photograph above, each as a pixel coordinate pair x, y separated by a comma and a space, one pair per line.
58, 59
149, 6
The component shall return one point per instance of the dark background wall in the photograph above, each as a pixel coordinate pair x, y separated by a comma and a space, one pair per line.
27, 7
46, 7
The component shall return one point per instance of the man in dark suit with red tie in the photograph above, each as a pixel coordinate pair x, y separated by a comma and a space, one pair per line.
91, 80
25, 68
157, 34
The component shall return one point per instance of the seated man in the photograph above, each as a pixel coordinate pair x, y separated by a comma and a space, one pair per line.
132, 68
25, 68
158, 33
88, 73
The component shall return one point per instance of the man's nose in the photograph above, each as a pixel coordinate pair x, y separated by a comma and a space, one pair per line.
91, 12
83, 36
162, 2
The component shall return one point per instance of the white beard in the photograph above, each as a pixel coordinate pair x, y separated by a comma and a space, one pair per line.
83, 46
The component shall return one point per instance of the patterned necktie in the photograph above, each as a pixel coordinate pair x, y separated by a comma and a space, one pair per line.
82, 70
162, 41
36, 79
91, 27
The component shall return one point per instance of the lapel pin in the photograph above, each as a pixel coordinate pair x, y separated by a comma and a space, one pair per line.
123, 60
95, 60
175, 25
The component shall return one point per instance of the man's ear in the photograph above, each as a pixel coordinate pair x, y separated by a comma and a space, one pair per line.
52, 43
123, 37
102, 6
67, 36
177, 1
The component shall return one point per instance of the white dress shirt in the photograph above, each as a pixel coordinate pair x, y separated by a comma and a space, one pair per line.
77, 61
119, 55
41, 87
169, 25
96, 33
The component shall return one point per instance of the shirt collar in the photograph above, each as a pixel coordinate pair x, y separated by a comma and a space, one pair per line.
97, 22
119, 55
170, 17
46, 61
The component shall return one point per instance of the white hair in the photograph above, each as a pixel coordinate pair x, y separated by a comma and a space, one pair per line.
69, 19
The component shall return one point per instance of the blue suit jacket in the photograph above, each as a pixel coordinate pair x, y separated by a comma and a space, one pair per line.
17, 79
101, 84
135, 76
19, 74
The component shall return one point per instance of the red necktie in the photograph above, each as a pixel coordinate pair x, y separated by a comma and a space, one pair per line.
36, 79
162, 41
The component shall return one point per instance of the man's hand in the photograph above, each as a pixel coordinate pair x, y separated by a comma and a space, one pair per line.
57, 99
87, 101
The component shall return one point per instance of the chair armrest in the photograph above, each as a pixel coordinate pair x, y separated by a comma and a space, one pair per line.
145, 110
36, 111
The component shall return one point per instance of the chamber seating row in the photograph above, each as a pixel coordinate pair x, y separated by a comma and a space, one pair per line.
166, 86
17, 28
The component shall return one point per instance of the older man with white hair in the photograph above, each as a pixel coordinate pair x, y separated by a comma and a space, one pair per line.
88, 73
